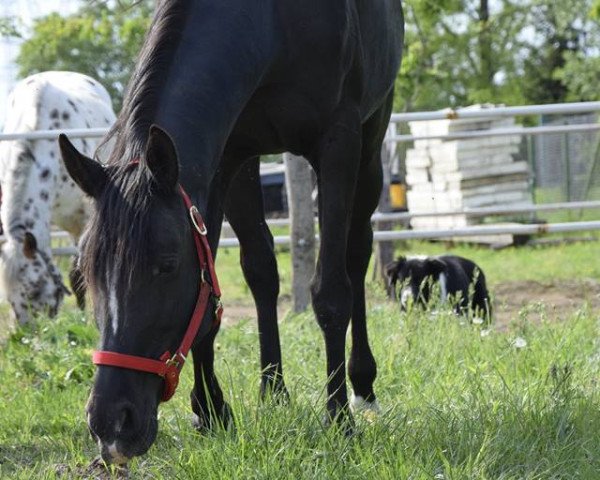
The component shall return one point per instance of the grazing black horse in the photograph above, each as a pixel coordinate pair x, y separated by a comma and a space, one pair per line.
231, 80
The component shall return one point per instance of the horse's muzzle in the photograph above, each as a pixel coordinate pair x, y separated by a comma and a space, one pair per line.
122, 429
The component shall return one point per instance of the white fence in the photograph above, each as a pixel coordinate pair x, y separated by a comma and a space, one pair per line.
571, 108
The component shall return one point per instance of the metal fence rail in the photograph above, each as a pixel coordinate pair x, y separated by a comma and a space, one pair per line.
498, 132
475, 231
53, 134
474, 212
498, 112
460, 114
386, 236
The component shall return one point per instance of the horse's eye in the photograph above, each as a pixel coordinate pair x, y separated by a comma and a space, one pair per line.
165, 267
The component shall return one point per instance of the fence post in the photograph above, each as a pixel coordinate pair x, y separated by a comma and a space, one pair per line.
384, 252
299, 186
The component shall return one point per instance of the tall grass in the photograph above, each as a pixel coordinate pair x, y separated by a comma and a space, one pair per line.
460, 401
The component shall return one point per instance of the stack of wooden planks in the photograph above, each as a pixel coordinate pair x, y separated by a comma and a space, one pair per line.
459, 174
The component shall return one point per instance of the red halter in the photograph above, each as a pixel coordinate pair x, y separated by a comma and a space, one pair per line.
169, 366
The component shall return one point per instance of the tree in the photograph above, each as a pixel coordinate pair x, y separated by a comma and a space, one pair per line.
581, 68
460, 52
563, 45
9, 27
101, 40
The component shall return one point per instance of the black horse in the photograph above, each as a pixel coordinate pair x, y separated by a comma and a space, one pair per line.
231, 80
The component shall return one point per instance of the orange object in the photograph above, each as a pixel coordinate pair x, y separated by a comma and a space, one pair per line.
398, 196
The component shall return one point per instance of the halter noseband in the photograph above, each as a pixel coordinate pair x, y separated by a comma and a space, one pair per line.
169, 366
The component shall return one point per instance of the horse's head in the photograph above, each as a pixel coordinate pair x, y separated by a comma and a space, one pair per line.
29, 281
140, 262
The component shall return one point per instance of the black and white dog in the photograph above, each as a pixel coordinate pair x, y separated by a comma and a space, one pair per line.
458, 278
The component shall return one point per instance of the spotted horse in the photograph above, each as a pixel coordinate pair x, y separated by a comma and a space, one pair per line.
37, 192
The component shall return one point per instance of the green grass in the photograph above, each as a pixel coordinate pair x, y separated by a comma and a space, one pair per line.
458, 402
541, 263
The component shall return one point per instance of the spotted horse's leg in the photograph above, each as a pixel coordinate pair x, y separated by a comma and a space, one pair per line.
337, 161
245, 212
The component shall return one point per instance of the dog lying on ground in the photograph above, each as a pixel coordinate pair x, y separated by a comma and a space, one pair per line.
460, 280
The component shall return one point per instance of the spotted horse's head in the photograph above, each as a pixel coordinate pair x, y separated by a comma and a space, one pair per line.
29, 280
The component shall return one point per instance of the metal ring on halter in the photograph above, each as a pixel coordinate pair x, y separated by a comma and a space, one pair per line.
200, 229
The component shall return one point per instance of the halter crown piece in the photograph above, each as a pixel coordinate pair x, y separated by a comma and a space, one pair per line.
169, 366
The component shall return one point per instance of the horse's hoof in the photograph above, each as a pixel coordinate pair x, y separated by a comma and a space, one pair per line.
205, 423
275, 392
98, 468
370, 409
340, 419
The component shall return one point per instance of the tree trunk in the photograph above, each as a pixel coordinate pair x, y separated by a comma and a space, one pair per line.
299, 186
485, 47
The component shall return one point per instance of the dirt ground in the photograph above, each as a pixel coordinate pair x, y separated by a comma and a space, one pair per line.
557, 300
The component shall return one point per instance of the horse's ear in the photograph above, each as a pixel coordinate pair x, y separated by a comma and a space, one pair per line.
393, 268
436, 266
392, 271
29, 245
87, 173
161, 158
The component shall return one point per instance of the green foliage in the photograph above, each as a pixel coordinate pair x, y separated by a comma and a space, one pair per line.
460, 52
100, 40
564, 44
9, 27
580, 73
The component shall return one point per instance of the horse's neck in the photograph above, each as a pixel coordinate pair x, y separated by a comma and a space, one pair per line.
27, 180
215, 69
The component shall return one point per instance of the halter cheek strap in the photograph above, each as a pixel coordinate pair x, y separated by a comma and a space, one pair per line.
169, 366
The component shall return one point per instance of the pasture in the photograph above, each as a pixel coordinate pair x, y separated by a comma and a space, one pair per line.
519, 399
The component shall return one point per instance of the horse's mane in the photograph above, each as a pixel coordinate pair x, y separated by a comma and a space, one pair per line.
130, 131
117, 236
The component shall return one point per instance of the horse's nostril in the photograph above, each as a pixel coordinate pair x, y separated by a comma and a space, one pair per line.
127, 420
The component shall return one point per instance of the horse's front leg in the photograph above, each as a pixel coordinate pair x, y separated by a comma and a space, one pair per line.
338, 159
209, 407
245, 211
362, 368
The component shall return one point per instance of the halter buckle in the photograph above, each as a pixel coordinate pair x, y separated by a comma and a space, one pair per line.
176, 361
194, 215
218, 304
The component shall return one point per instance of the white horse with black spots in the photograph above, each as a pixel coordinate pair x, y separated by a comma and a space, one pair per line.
37, 192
